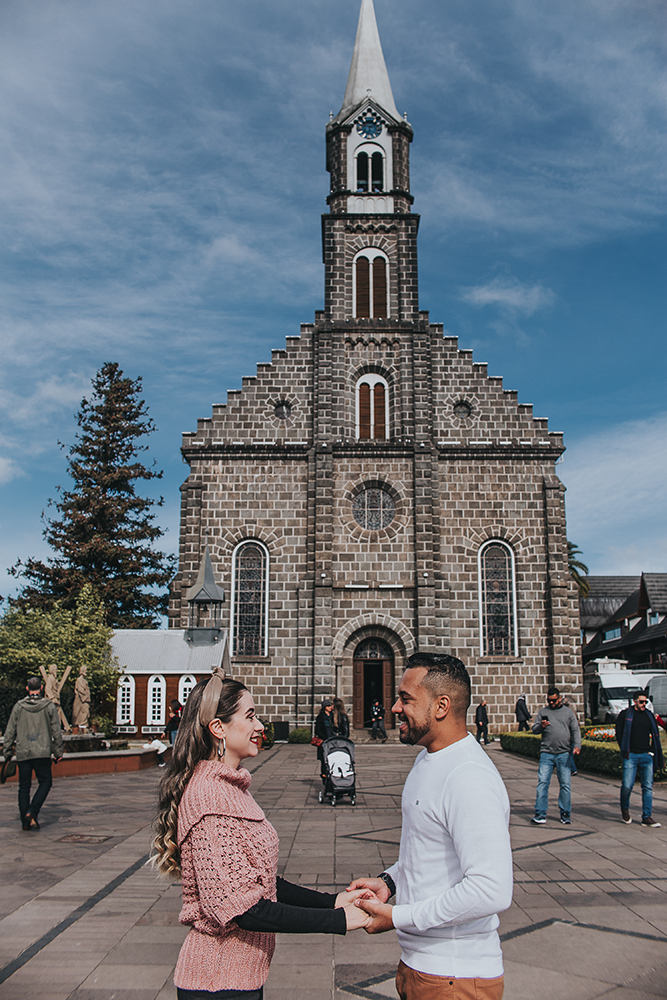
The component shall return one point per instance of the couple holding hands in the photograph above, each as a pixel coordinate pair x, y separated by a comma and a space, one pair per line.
452, 877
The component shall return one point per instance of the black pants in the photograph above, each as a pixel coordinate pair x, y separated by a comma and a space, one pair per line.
483, 730
42, 768
220, 994
523, 724
378, 727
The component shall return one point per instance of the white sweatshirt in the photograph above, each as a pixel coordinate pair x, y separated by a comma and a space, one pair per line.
454, 870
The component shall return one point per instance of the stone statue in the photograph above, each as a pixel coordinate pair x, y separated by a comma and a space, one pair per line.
81, 707
52, 689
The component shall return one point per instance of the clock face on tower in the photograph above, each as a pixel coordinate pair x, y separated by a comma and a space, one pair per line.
369, 126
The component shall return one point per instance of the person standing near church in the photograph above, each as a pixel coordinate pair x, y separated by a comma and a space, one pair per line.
560, 736
35, 728
638, 737
454, 870
523, 716
482, 722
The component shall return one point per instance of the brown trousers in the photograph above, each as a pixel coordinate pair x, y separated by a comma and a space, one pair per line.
412, 985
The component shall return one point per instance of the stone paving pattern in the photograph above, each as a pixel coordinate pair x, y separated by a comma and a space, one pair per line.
87, 919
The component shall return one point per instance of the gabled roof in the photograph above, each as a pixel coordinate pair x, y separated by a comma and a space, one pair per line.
606, 595
165, 651
368, 72
205, 589
656, 591
630, 608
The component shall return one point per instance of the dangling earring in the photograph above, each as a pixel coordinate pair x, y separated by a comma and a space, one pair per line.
224, 747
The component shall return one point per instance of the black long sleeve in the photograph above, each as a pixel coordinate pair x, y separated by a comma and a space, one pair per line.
298, 911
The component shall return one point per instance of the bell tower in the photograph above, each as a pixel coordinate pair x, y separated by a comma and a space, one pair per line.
370, 235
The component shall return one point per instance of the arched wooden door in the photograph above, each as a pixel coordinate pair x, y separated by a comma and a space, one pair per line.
372, 677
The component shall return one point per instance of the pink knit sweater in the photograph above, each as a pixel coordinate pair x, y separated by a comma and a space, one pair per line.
229, 858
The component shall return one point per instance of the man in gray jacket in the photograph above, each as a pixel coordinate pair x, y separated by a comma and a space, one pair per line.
560, 737
35, 728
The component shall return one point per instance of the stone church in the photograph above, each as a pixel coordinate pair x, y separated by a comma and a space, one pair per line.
373, 491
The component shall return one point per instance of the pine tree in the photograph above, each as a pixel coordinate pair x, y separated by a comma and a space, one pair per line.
106, 531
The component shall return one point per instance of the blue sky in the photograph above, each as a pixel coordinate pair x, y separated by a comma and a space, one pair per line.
163, 177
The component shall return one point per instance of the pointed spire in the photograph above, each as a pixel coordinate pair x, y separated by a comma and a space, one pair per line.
368, 72
205, 589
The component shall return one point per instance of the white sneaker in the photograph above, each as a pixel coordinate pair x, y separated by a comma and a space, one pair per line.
537, 819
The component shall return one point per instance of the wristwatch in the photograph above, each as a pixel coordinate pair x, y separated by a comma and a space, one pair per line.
389, 882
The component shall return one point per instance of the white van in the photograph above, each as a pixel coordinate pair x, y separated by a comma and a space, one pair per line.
657, 692
609, 687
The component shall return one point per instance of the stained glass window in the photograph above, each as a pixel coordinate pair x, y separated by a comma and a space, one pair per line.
497, 600
250, 581
374, 509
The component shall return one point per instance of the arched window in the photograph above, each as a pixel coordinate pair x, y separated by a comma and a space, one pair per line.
250, 598
497, 600
370, 281
125, 701
370, 170
157, 690
185, 686
372, 408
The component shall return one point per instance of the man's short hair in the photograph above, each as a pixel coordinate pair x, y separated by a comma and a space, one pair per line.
446, 675
638, 694
552, 691
34, 683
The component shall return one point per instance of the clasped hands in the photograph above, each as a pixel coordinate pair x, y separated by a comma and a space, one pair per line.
365, 904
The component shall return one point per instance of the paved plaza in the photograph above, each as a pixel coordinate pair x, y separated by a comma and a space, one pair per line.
83, 916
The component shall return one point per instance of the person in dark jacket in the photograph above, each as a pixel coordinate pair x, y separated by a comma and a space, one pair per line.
35, 728
324, 730
523, 716
377, 718
639, 740
341, 721
482, 722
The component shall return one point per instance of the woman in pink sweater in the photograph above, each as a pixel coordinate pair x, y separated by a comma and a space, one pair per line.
212, 833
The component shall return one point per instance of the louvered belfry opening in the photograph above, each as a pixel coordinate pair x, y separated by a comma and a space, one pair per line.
377, 179
363, 310
379, 287
364, 410
379, 429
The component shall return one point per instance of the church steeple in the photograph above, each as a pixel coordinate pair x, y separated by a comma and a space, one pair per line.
370, 235
368, 72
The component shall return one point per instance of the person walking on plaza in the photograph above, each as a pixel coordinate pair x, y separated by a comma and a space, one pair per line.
35, 728
454, 869
377, 718
639, 740
560, 735
341, 720
523, 716
212, 835
324, 730
482, 722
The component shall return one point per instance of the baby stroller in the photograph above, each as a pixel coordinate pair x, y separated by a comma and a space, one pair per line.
338, 756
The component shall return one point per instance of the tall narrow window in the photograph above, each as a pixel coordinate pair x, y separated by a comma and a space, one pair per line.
370, 284
362, 172
157, 690
185, 686
497, 600
125, 702
372, 408
363, 288
249, 600
377, 179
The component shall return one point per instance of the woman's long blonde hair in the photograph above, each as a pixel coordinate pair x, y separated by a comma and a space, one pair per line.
193, 744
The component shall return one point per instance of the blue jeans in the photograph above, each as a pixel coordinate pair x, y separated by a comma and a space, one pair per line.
561, 762
642, 762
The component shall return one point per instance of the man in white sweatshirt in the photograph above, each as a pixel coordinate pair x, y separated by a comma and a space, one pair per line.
454, 870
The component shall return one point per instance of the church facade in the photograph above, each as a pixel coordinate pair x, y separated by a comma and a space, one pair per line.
373, 491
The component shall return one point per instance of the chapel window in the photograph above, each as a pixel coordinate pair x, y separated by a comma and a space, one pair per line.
372, 408
125, 702
497, 600
250, 599
185, 686
157, 690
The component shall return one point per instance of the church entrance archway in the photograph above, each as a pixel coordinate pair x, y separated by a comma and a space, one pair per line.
372, 677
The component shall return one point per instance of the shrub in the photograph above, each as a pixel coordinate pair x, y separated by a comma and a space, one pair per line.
299, 735
601, 758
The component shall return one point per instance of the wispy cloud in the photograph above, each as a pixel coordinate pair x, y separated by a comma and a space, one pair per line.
616, 488
509, 294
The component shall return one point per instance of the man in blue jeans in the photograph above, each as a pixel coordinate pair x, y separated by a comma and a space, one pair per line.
639, 740
560, 736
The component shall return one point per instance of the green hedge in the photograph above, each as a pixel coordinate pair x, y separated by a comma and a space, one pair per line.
602, 758
299, 735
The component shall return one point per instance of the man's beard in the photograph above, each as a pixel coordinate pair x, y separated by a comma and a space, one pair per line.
414, 732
